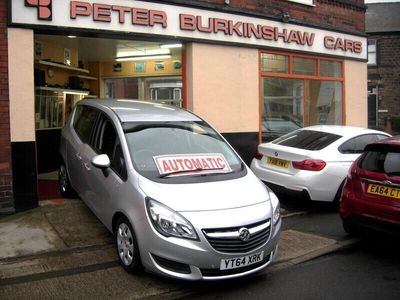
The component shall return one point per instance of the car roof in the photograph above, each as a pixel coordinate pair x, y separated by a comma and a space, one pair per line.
134, 110
391, 141
345, 131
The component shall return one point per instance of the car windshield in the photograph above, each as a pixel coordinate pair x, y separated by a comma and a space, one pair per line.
381, 161
171, 150
307, 139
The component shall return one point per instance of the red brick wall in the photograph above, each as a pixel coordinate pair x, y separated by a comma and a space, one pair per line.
6, 194
345, 15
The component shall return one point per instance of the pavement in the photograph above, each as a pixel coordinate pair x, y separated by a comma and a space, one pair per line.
62, 239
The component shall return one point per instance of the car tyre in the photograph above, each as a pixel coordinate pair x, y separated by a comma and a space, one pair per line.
66, 189
350, 228
336, 200
127, 246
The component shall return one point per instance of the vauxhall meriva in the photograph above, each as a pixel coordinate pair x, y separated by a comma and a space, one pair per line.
178, 199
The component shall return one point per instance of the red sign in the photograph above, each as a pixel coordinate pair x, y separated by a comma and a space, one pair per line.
184, 164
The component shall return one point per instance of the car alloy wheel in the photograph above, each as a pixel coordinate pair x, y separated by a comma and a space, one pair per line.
125, 244
66, 189
128, 252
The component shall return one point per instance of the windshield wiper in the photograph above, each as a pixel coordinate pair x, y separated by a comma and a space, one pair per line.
194, 170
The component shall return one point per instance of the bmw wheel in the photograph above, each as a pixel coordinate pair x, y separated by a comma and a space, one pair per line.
67, 191
127, 248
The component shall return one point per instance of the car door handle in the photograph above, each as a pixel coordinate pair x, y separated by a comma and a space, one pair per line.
87, 166
78, 156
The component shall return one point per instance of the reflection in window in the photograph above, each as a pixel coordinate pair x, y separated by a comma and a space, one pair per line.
304, 66
331, 68
282, 105
274, 63
324, 102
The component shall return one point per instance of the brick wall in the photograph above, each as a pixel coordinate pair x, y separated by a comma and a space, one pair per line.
347, 15
6, 194
386, 75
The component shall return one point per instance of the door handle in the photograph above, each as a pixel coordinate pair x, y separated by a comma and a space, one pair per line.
87, 166
78, 156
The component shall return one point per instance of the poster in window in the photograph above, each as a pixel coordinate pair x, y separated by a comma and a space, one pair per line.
159, 66
177, 64
140, 67
117, 67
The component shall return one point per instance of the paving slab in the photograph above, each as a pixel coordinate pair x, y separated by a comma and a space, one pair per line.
27, 233
294, 244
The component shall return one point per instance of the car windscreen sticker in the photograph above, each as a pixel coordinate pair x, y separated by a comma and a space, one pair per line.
186, 164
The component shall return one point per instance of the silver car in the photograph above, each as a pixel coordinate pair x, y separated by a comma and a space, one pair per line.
178, 199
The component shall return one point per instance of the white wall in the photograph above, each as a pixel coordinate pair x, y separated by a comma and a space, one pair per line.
21, 84
223, 86
356, 93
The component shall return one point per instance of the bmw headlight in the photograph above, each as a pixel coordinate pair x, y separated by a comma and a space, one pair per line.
276, 207
168, 222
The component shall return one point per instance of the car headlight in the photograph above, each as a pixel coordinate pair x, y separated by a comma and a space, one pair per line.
276, 207
168, 222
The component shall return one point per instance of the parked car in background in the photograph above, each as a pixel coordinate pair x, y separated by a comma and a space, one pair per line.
312, 161
275, 127
371, 195
177, 197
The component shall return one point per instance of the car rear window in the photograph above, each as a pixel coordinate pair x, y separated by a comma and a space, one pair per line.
307, 139
381, 161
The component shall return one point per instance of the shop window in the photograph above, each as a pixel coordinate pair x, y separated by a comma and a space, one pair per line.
331, 68
324, 102
274, 63
310, 93
163, 89
53, 106
304, 66
282, 106
372, 52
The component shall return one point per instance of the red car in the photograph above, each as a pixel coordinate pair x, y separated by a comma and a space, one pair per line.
371, 195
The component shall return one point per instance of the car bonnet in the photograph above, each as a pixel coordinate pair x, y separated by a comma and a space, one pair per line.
207, 196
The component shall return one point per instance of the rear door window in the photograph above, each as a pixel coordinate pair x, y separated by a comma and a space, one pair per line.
84, 119
307, 139
357, 144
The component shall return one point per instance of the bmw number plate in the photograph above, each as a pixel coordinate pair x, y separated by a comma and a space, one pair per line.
239, 262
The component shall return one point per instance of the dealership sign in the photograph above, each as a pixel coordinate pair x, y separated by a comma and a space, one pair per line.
166, 20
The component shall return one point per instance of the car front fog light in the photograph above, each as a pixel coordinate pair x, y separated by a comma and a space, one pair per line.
168, 222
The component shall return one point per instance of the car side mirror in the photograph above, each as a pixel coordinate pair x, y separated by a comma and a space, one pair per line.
101, 161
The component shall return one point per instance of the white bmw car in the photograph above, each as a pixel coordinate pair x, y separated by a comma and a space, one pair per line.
312, 161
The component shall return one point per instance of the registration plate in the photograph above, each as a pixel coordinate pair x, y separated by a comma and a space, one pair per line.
278, 162
382, 190
239, 262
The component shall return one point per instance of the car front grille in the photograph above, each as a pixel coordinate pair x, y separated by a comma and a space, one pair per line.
228, 240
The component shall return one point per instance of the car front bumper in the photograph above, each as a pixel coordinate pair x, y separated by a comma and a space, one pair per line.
198, 260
